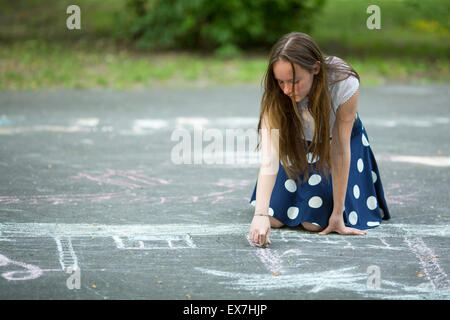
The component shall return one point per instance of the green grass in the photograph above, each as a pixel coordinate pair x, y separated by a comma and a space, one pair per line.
412, 47
36, 64
412, 28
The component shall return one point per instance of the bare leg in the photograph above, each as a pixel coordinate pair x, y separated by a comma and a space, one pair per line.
275, 223
311, 227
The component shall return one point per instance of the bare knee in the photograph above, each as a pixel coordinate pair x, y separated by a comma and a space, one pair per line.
311, 227
275, 223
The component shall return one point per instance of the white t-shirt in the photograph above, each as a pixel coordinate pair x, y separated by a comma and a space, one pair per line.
340, 92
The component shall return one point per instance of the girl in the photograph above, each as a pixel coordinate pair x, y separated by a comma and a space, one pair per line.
318, 168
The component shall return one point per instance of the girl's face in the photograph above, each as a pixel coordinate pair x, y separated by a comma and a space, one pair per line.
302, 82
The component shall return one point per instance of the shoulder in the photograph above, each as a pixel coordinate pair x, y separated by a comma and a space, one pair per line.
344, 89
341, 83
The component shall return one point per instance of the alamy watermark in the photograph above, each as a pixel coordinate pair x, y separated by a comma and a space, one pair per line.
374, 279
374, 20
232, 147
74, 20
74, 281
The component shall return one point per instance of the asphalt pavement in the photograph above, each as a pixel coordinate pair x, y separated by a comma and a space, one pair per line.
135, 195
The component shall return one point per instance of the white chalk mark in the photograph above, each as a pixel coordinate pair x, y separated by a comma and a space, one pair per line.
11, 210
146, 126
270, 260
292, 252
67, 257
149, 126
191, 122
154, 242
406, 121
42, 128
434, 161
343, 279
30, 272
347, 278
430, 266
384, 242
87, 122
348, 245
386, 246
386, 230
235, 122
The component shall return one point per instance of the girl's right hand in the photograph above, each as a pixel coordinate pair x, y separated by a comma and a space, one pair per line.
260, 230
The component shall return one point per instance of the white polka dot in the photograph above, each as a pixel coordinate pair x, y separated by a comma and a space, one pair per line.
374, 177
356, 191
310, 159
372, 223
315, 202
316, 224
364, 140
292, 212
371, 202
353, 217
270, 211
290, 185
314, 179
253, 203
360, 165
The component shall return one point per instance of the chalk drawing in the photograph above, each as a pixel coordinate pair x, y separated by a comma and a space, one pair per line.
11, 210
62, 198
132, 180
129, 179
434, 161
42, 128
81, 125
395, 194
155, 242
430, 266
182, 236
143, 125
269, 258
407, 122
347, 278
30, 272
386, 246
292, 252
343, 279
67, 257
150, 126
386, 230
87, 122
191, 122
125, 196
114, 177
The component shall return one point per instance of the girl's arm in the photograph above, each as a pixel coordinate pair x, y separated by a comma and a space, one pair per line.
340, 164
269, 167
260, 226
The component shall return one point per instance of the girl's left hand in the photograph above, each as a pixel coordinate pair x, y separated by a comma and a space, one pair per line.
336, 224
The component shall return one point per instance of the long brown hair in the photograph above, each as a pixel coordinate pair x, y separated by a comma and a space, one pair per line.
282, 111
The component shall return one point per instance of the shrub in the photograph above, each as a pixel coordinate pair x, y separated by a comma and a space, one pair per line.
225, 25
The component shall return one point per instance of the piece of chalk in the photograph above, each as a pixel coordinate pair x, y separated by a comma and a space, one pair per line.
257, 244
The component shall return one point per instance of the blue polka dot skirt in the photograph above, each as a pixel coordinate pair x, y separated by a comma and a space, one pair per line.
294, 202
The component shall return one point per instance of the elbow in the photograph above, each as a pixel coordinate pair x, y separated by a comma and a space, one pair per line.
269, 167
